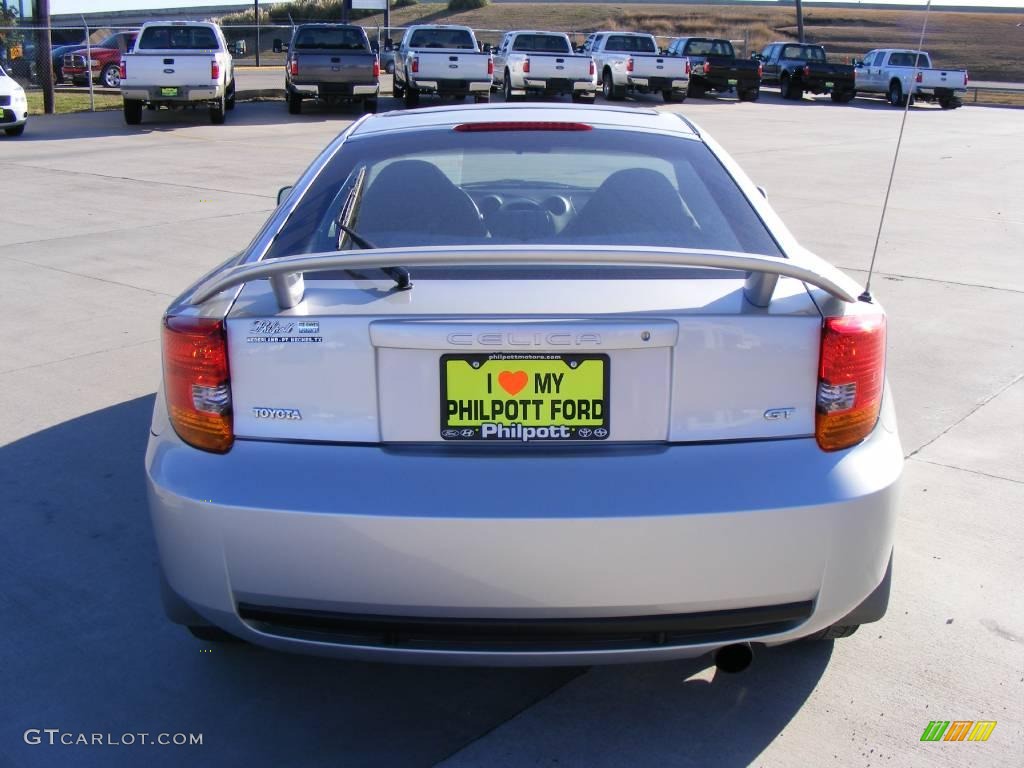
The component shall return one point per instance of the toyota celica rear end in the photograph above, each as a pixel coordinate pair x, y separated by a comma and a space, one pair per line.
524, 385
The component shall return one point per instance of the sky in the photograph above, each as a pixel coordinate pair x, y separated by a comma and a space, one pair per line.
90, 6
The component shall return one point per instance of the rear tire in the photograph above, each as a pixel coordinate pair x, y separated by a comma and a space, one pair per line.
609, 90
412, 98
835, 632
217, 111
16, 130
896, 97
792, 89
482, 98
370, 106
750, 94
950, 102
506, 87
110, 77
695, 89
581, 98
230, 103
132, 111
669, 96
294, 104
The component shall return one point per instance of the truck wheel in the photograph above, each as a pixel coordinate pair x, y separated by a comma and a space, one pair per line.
792, 89
609, 90
843, 97
370, 106
669, 96
896, 97
579, 98
483, 98
412, 98
110, 77
750, 94
217, 111
950, 102
396, 89
506, 87
132, 111
835, 632
695, 89
294, 104
230, 103
16, 130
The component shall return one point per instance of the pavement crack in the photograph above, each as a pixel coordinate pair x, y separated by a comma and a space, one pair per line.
150, 291
965, 469
79, 357
963, 418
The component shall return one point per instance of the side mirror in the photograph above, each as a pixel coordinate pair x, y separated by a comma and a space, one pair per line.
282, 194
763, 192
756, 57
487, 48
858, 63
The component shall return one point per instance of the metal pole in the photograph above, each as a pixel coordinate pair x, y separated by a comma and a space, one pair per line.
44, 54
88, 64
387, 18
800, 20
256, 11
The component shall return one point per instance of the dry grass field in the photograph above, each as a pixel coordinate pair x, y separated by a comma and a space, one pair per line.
989, 45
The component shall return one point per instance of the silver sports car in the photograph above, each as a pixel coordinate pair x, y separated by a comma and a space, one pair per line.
532, 384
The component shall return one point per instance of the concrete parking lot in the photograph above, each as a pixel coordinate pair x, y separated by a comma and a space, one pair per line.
102, 225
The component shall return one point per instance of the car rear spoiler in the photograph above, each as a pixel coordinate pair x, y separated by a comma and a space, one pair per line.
763, 272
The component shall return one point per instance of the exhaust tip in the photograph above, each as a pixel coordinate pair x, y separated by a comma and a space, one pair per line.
734, 658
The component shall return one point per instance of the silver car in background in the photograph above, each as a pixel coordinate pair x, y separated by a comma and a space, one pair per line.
533, 385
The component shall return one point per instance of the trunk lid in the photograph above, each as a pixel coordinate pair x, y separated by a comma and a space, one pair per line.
645, 360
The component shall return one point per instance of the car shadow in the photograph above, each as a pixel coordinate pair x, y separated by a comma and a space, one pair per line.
87, 649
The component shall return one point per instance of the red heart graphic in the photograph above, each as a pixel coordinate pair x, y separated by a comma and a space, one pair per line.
513, 382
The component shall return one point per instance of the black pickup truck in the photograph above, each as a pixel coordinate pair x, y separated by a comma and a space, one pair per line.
714, 67
333, 63
797, 67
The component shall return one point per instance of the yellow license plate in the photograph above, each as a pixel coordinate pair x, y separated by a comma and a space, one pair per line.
168, 91
524, 397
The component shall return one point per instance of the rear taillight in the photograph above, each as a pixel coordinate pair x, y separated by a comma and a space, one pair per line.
807, 70
919, 77
689, 70
196, 382
293, 67
966, 78
490, 66
593, 68
851, 373
124, 69
629, 64
707, 67
214, 70
526, 66
416, 64
376, 68
760, 70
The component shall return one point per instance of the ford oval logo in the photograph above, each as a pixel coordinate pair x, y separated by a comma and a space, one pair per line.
168, 71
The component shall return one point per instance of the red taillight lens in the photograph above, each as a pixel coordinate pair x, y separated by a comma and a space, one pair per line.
293, 66
520, 126
214, 70
689, 69
919, 77
124, 69
760, 70
629, 64
490, 66
196, 382
807, 70
526, 66
593, 68
707, 67
851, 373
376, 68
416, 64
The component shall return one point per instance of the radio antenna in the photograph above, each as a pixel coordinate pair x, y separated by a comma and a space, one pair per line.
866, 296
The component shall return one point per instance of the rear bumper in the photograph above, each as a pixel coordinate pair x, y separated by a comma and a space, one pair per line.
658, 83
560, 86
450, 86
185, 94
427, 535
318, 90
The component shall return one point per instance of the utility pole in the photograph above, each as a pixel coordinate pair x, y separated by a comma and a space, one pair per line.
800, 20
346, 10
256, 15
44, 55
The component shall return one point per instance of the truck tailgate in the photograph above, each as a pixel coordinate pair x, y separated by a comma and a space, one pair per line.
336, 67
652, 65
549, 66
452, 65
168, 68
943, 78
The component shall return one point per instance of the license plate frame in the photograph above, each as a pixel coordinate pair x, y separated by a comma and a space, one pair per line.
733, 81
169, 91
536, 418
830, 84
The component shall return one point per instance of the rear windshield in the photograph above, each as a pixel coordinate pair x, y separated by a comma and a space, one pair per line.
541, 43
330, 38
631, 43
599, 187
804, 53
709, 48
907, 59
178, 38
442, 38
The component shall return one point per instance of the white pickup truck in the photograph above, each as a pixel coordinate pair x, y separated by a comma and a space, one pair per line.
441, 60
904, 74
631, 61
543, 64
178, 64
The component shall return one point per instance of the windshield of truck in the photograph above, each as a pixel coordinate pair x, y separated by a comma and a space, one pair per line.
459, 39
804, 53
709, 48
541, 44
329, 39
593, 187
178, 38
631, 44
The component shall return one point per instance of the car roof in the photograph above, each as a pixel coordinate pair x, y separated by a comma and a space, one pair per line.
599, 115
